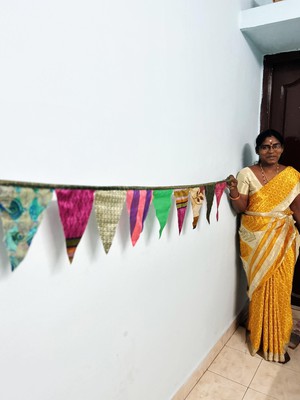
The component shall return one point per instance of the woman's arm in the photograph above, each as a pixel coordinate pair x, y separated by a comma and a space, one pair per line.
239, 201
295, 207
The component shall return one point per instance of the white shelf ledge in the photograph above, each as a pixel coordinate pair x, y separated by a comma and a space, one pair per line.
273, 28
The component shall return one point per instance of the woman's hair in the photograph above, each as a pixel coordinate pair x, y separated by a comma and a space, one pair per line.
268, 133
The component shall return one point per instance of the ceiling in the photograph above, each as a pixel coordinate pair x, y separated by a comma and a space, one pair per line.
273, 28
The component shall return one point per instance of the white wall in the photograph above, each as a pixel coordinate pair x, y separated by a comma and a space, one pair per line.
160, 92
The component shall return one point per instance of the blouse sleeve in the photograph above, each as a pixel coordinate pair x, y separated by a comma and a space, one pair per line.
243, 182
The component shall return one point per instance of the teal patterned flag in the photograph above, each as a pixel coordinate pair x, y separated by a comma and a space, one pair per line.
21, 212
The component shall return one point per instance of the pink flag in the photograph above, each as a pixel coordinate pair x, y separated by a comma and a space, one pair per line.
75, 207
219, 190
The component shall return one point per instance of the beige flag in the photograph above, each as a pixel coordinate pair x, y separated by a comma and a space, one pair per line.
197, 198
108, 206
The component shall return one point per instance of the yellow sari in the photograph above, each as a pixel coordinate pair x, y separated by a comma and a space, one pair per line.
269, 243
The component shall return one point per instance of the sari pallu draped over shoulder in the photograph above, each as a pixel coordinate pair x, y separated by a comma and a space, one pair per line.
269, 243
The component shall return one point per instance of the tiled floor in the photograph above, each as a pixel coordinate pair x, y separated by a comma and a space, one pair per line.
236, 375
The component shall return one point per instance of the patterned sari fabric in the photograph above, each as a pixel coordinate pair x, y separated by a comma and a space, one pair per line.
269, 243
21, 211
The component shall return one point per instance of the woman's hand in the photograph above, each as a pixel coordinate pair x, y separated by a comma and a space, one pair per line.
239, 201
232, 186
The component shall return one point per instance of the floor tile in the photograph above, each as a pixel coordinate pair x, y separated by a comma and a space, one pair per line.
235, 365
294, 362
238, 341
275, 380
254, 395
296, 313
214, 387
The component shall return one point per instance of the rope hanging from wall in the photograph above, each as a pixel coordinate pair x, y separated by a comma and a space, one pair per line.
39, 185
22, 205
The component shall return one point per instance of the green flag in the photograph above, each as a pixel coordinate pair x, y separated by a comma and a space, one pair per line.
162, 204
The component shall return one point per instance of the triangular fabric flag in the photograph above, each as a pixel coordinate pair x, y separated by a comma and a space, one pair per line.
197, 198
182, 198
209, 194
75, 207
138, 203
219, 190
108, 207
21, 211
162, 201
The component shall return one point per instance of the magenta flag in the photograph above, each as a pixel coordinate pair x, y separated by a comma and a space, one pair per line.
219, 190
75, 207
182, 199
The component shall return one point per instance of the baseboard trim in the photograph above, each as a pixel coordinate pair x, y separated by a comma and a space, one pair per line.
187, 387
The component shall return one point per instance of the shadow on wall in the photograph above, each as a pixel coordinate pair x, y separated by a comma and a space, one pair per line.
241, 300
248, 155
241, 288
256, 52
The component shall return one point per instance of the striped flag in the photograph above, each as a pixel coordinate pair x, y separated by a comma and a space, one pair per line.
138, 203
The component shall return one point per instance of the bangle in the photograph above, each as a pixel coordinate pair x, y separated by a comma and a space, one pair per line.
235, 198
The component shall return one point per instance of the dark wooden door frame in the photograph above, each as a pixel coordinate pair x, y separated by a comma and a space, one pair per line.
272, 64
270, 61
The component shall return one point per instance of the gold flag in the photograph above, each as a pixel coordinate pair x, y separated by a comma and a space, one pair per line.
108, 206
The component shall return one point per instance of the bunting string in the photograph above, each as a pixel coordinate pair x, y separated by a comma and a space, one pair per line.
39, 185
22, 205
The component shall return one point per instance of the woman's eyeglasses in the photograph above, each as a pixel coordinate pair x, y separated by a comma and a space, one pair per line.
268, 147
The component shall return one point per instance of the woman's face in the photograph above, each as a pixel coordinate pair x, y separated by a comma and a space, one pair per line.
270, 151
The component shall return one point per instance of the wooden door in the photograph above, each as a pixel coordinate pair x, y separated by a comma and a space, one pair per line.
280, 110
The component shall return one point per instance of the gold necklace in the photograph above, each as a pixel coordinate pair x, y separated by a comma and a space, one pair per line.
265, 179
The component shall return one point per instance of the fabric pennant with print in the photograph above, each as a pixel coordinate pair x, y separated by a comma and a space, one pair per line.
162, 201
108, 207
138, 203
209, 195
75, 207
197, 198
219, 190
182, 198
21, 211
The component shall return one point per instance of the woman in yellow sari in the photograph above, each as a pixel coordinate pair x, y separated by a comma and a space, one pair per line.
268, 196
